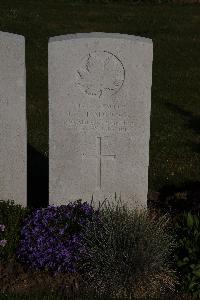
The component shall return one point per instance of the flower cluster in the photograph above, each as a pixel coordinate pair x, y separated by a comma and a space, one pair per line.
51, 237
2, 242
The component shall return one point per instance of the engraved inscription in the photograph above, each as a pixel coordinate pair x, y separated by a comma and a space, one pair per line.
3, 100
110, 118
100, 73
99, 157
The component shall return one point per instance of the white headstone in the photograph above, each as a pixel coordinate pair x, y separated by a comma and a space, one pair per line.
99, 117
13, 141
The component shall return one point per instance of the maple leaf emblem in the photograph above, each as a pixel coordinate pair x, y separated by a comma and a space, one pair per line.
101, 72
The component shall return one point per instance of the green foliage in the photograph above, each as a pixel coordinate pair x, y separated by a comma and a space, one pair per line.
11, 215
128, 254
188, 252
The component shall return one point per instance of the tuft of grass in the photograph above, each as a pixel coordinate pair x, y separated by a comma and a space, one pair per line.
128, 254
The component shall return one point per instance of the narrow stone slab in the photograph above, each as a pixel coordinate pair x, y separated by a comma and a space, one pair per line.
13, 140
99, 117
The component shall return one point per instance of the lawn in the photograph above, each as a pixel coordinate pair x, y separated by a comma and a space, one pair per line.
174, 29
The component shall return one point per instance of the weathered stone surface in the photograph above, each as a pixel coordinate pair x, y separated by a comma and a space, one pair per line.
99, 117
13, 141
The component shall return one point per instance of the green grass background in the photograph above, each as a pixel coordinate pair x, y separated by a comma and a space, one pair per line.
175, 31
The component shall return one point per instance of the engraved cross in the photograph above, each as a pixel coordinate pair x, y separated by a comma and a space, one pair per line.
100, 158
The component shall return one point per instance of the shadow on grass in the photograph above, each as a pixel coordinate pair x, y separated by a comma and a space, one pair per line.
37, 178
193, 122
177, 199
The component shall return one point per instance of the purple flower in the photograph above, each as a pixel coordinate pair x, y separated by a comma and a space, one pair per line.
62, 231
3, 243
51, 237
2, 227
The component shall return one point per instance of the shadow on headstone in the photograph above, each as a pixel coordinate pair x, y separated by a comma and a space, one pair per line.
177, 199
37, 178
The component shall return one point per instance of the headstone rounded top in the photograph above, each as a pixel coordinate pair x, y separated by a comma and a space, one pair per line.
4, 34
13, 130
99, 117
100, 35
